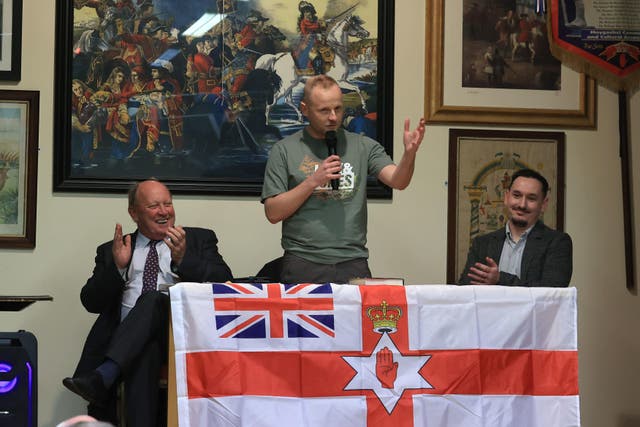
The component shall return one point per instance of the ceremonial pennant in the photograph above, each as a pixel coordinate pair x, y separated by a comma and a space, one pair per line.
599, 38
602, 39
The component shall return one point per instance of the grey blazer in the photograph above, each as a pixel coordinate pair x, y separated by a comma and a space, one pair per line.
546, 260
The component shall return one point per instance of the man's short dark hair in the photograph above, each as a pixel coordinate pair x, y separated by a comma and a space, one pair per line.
530, 173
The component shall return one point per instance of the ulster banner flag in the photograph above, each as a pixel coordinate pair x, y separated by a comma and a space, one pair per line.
342, 355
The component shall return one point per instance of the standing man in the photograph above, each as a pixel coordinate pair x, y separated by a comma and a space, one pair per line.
324, 230
128, 341
526, 252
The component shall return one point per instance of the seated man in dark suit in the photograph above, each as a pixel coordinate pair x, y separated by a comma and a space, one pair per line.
128, 341
526, 252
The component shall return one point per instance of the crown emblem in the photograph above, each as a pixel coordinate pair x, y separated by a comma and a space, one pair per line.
384, 317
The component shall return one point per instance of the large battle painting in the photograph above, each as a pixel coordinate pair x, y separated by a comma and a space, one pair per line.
202, 89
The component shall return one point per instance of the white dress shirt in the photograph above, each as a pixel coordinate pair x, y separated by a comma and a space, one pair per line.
133, 278
511, 257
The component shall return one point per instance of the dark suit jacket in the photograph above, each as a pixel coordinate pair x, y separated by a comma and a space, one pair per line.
546, 260
102, 293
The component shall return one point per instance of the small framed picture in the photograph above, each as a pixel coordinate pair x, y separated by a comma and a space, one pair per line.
10, 39
481, 163
18, 167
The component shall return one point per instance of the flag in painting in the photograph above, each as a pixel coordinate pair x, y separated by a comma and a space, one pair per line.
342, 355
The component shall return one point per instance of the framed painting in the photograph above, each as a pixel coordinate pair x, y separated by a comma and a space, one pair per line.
196, 92
18, 167
10, 39
499, 68
481, 163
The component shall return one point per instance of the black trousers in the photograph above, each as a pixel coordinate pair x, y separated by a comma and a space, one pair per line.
139, 347
299, 270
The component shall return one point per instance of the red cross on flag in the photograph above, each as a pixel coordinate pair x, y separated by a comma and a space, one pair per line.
344, 355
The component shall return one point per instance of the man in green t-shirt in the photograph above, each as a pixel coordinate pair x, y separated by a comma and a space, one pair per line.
324, 230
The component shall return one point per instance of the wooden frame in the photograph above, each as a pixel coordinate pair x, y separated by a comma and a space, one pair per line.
10, 39
480, 165
223, 140
574, 105
18, 168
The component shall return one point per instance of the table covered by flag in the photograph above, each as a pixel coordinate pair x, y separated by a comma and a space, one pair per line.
344, 355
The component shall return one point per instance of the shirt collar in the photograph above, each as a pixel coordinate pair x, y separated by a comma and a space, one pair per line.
142, 241
308, 135
523, 236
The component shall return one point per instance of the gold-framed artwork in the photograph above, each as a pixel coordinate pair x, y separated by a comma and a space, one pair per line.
571, 102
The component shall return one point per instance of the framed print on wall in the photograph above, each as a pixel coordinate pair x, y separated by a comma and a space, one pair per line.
499, 68
18, 167
196, 92
10, 39
481, 163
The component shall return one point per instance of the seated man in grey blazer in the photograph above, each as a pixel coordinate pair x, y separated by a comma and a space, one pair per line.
526, 252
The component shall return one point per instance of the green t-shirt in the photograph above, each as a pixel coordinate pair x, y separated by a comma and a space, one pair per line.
331, 226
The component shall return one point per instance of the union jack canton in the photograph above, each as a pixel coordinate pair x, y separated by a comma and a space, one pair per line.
273, 310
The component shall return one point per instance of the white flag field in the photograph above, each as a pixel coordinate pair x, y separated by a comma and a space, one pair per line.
316, 355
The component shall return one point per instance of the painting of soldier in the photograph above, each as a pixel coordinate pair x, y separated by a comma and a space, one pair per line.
202, 89
505, 45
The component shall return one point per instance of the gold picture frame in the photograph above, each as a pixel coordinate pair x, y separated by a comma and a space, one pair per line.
572, 106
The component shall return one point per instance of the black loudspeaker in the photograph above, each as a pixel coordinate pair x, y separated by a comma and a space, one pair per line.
18, 379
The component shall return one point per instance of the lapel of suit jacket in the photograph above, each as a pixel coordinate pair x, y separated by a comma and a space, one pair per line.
494, 251
534, 246
133, 248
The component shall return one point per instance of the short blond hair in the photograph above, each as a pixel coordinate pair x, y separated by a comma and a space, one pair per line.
321, 80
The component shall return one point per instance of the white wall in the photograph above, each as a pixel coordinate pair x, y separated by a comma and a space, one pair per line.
407, 236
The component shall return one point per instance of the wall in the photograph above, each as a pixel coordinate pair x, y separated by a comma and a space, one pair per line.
407, 236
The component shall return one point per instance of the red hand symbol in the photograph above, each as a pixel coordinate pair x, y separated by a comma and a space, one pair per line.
386, 368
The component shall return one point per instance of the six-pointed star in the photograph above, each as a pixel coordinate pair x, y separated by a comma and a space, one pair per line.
408, 373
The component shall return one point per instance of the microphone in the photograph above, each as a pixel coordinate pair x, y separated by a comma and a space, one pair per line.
331, 139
